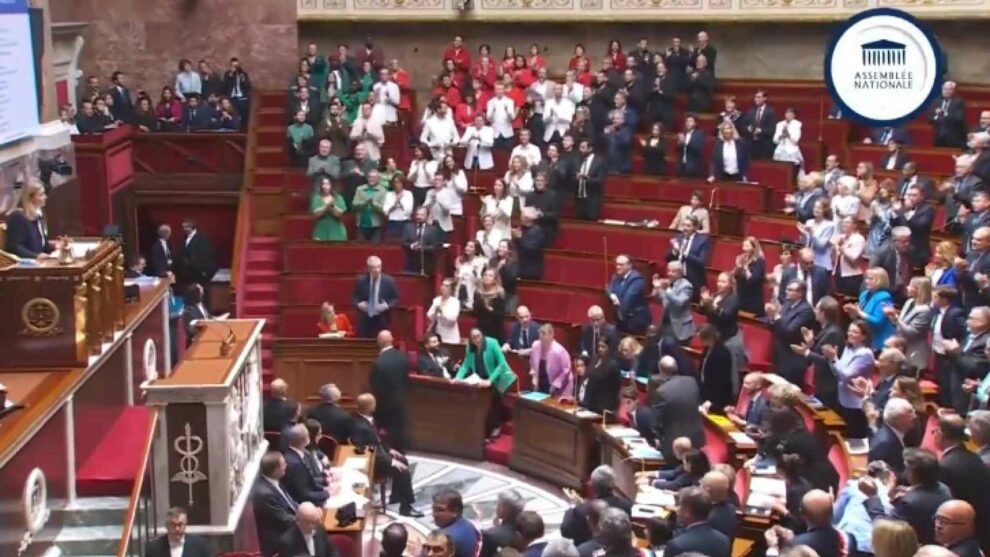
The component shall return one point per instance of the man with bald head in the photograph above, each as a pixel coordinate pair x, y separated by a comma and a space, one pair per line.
299, 480
523, 333
278, 408
816, 509
948, 116
389, 462
627, 292
955, 528
307, 536
816, 279
961, 470
723, 514
388, 378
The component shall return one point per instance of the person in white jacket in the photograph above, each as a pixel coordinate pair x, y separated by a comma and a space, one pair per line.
478, 141
368, 131
398, 206
499, 205
439, 132
444, 312
489, 236
439, 202
558, 112
786, 136
421, 171
456, 181
527, 150
387, 98
500, 112
518, 178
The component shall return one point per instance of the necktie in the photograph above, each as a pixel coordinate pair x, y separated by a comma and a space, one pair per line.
687, 141
759, 115
525, 337
969, 342
886, 136
945, 106
373, 299
583, 187
292, 504
419, 234
687, 247
594, 341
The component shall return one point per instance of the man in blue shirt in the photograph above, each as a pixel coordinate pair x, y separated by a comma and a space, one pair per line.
448, 509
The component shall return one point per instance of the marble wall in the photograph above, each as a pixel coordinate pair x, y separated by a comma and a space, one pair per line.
147, 39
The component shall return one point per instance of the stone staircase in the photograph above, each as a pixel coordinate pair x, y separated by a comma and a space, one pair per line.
90, 527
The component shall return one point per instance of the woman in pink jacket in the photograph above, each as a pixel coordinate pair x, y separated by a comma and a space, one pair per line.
550, 366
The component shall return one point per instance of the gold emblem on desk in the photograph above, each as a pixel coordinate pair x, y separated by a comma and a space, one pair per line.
40, 317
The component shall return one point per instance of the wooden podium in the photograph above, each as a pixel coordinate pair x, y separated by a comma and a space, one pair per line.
448, 418
308, 363
209, 447
553, 443
58, 312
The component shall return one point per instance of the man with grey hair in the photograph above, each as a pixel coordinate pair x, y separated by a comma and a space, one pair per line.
675, 410
307, 536
896, 260
890, 364
602, 482
887, 444
160, 264
947, 115
333, 419
529, 241
968, 359
978, 422
508, 506
597, 329
674, 294
560, 547
615, 532
375, 294
299, 480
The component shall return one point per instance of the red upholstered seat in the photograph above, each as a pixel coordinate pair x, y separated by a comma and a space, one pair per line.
715, 447
840, 461
344, 544
350, 257
767, 227
807, 416
561, 303
809, 381
315, 288
935, 161
408, 323
928, 439
752, 197
759, 344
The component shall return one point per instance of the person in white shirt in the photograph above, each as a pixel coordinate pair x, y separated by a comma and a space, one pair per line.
848, 245
421, 171
398, 207
539, 91
500, 112
846, 202
387, 96
368, 132
558, 112
786, 136
499, 206
439, 132
817, 234
518, 178
573, 89
443, 314
489, 236
439, 202
455, 180
478, 141
527, 150
468, 268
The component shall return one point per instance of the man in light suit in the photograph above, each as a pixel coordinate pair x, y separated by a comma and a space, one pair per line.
523, 333
160, 264
674, 294
948, 116
969, 358
627, 291
594, 331
176, 541
374, 296
785, 322
693, 250
590, 180
307, 536
274, 508
675, 410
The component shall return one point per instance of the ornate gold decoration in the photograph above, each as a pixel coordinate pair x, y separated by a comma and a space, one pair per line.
769, 4
40, 317
405, 4
529, 4
654, 4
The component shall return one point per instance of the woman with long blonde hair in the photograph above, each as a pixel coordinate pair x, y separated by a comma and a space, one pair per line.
893, 538
27, 233
750, 274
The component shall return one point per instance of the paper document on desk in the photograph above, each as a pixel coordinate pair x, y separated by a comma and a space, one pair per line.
472, 379
619, 431
584, 414
649, 511
655, 497
741, 438
768, 486
645, 452
536, 396
355, 463
858, 446
763, 501
720, 421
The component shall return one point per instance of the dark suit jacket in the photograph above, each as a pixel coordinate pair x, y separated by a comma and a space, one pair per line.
299, 481
387, 292
23, 238
575, 523
364, 434
695, 260
701, 538
967, 478
199, 262
123, 105
715, 376
388, 378
189, 315
787, 331
821, 282
608, 331
916, 507
885, 446
675, 414
496, 538
742, 160
969, 547
972, 295
900, 159
954, 324
595, 180
426, 365
203, 119
291, 543
826, 387
431, 241
920, 224
160, 263
690, 155
515, 335
767, 123
950, 127
230, 78
313, 115
723, 518
529, 251
601, 390
882, 136
632, 311
272, 514
548, 202
193, 546
334, 420
277, 413
826, 541
804, 209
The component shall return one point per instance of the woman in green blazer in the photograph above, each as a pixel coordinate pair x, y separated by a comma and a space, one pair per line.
493, 371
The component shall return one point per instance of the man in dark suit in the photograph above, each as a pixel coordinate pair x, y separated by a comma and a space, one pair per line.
198, 260
274, 508
388, 379
910, 178
916, 504
176, 539
299, 480
817, 280
137, 266
435, 360
529, 534
816, 509
237, 87
160, 264
962, 471
278, 408
195, 116
948, 322
723, 514
675, 409
785, 322
421, 240
723, 169
887, 443
697, 535
640, 417
602, 485
887, 135
389, 461
548, 203
895, 158
334, 420
523, 333
759, 123
971, 272
896, 260
948, 116
374, 296
123, 105
955, 528
693, 250
690, 149
596, 508
918, 216
802, 203
530, 241
968, 359
595, 330
507, 508
307, 536
627, 291
590, 181
301, 101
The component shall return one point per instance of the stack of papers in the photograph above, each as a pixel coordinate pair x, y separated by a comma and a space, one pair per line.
858, 446
655, 497
649, 511
355, 463
583, 413
741, 438
763, 492
619, 431
645, 452
536, 396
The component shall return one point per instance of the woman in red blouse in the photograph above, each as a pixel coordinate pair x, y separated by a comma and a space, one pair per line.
575, 63
535, 61
522, 76
465, 112
482, 94
584, 75
333, 322
169, 110
485, 74
615, 53
508, 61
456, 76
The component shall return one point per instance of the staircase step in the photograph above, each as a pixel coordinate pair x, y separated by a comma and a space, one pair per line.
260, 276
263, 240
267, 307
90, 511
84, 540
263, 254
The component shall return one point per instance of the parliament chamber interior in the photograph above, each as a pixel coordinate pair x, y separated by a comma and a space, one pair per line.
479, 278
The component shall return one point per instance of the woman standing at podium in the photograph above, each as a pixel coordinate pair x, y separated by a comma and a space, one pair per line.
27, 234
550, 366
